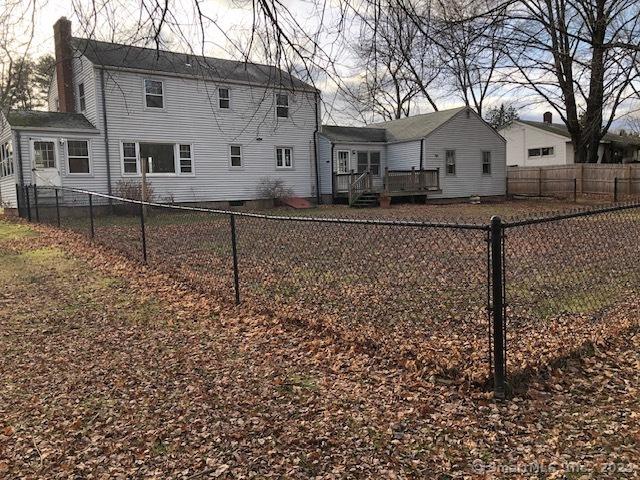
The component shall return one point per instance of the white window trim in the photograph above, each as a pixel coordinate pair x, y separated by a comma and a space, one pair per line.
176, 159
144, 95
89, 157
490, 163
55, 141
275, 110
348, 152
455, 163
293, 158
228, 98
541, 155
234, 167
193, 163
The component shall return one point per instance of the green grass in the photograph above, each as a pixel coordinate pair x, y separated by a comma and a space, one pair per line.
14, 231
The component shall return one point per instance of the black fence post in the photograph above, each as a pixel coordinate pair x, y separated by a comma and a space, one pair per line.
615, 189
497, 308
27, 201
144, 234
57, 208
234, 252
35, 202
93, 230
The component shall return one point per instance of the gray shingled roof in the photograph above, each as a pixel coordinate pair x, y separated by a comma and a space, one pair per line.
416, 126
40, 119
127, 56
337, 133
561, 129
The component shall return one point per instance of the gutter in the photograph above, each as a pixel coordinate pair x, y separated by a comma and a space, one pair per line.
315, 150
106, 133
90, 131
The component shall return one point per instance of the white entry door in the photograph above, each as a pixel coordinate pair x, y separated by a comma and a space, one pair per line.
46, 167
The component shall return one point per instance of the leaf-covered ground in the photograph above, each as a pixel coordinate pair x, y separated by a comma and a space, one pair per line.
110, 370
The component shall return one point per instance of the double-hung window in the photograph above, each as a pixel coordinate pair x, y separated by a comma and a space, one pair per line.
81, 98
186, 160
282, 105
224, 98
153, 93
486, 163
284, 157
369, 161
235, 156
78, 156
450, 162
130, 157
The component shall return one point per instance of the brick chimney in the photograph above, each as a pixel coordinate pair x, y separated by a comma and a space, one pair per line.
64, 69
547, 117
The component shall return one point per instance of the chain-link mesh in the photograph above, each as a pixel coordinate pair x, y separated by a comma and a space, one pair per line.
567, 280
413, 293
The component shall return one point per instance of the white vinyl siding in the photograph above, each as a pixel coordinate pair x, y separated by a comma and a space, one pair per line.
192, 116
469, 137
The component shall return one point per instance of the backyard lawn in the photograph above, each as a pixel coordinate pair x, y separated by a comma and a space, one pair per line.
114, 370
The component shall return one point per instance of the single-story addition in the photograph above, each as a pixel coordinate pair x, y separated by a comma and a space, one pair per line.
441, 155
538, 144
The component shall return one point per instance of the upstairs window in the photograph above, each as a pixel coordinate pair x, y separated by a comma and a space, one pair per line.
78, 156
81, 97
186, 160
224, 99
284, 157
486, 163
235, 159
282, 105
450, 162
153, 93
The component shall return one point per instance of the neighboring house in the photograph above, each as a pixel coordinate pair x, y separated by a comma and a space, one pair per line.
446, 154
209, 129
538, 144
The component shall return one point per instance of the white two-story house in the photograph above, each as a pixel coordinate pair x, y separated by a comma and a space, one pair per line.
205, 129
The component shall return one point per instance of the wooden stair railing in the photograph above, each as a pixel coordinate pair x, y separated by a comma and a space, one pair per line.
359, 186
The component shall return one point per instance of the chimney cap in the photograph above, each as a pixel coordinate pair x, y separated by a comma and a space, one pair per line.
547, 117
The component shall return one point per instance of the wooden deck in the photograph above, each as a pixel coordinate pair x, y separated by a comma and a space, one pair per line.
395, 183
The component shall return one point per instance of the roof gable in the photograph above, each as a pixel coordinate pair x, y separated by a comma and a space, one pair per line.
162, 61
417, 126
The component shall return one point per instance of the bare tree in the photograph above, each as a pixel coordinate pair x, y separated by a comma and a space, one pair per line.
575, 56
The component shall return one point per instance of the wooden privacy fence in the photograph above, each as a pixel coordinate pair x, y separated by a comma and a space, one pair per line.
573, 180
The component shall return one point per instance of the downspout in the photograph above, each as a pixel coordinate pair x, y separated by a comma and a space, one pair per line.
315, 150
106, 133
18, 150
332, 174
421, 153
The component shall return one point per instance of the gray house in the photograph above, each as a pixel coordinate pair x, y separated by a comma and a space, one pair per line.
207, 130
440, 155
204, 129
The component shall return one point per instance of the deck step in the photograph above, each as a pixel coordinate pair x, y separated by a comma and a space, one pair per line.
366, 200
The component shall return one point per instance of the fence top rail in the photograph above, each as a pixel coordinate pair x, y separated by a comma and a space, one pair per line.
300, 219
575, 214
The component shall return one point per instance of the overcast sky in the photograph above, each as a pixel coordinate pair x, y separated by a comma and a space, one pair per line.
225, 37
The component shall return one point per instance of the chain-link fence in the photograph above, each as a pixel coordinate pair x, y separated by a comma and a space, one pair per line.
467, 302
